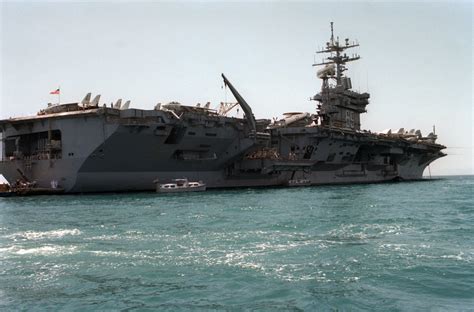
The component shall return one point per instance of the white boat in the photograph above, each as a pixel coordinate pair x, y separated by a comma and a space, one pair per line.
299, 182
180, 185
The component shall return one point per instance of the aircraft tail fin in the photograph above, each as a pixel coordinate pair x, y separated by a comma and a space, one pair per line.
86, 99
118, 104
126, 105
95, 101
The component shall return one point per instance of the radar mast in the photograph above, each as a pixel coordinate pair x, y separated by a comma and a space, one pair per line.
336, 59
339, 106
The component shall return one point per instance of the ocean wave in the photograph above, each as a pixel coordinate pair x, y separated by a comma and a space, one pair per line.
31, 235
360, 233
43, 250
422, 251
113, 253
461, 256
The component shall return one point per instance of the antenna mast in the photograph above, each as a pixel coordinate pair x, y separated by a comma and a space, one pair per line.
336, 58
339, 106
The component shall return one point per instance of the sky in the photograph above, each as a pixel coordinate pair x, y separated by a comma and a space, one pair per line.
416, 58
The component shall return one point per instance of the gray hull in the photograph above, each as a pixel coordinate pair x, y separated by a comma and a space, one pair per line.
107, 150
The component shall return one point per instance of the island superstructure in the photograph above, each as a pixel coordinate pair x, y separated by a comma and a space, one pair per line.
89, 147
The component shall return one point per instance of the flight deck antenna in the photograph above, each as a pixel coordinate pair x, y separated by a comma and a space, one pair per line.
335, 63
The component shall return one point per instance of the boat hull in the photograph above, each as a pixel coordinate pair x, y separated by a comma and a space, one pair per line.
201, 188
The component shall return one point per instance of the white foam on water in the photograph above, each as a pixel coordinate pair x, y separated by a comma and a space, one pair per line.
43, 250
6, 249
272, 247
254, 253
31, 235
250, 265
109, 253
459, 257
396, 247
295, 272
104, 237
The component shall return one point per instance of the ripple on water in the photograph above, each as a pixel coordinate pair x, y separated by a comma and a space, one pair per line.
31, 235
353, 247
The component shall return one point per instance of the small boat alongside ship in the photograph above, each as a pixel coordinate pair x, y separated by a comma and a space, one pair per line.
298, 182
27, 189
180, 185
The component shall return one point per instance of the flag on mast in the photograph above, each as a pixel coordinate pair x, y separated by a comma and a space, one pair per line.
57, 91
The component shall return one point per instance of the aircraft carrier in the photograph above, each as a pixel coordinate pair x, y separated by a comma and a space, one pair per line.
93, 147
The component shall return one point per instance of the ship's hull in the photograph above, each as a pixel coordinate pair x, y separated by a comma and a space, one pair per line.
107, 150
81, 182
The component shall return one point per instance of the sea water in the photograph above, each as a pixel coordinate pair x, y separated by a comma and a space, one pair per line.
394, 246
